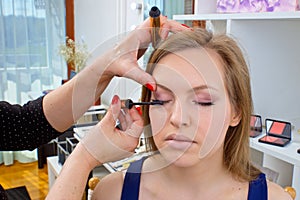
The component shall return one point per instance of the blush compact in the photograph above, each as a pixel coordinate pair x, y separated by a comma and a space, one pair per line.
255, 126
278, 133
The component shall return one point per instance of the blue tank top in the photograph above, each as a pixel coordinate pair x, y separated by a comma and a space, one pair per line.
258, 189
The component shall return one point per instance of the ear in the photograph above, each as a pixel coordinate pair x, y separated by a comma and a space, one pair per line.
235, 118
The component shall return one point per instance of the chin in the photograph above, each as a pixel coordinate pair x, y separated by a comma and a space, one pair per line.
180, 159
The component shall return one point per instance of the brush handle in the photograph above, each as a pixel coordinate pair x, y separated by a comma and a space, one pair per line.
154, 14
129, 103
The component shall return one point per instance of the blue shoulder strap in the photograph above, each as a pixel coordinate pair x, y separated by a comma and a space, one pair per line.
258, 189
131, 185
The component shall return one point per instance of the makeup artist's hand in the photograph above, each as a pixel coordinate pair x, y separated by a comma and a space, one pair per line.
103, 143
126, 54
107, 143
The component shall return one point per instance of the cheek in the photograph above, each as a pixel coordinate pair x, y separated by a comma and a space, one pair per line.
204, 121
220, 120
158, 118
216, 127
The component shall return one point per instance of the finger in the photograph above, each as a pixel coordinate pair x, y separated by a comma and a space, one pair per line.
127, 117
134, 130
176, 27
136, 127
122, 120
142, 77
115, 107
145, 24
164, 32
171, 26
113, 112
136, 116
114, 145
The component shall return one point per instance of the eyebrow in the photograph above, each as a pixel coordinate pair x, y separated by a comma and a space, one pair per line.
201, 87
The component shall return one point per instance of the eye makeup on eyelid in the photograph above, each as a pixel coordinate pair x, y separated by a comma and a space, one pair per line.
200, 95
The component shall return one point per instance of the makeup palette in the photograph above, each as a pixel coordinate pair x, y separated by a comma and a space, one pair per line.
255, 126
277, 133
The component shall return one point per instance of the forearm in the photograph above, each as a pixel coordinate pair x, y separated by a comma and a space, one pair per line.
66, 104
63, 106
72, 180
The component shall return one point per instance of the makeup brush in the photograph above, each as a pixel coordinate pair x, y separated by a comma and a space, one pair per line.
129, 103
154, 14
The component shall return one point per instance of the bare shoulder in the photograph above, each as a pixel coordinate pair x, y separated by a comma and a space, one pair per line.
109, 187
276, 192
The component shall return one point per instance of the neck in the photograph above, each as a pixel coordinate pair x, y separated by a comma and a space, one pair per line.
204, 173
208, 178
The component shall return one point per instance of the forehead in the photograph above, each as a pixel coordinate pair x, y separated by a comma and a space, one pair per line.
190, 67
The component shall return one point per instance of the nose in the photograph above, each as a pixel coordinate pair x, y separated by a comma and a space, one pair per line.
179, 115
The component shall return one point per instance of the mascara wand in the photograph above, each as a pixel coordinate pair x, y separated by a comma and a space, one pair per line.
129, 103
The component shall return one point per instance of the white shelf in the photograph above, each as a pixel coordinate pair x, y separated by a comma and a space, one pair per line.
288, 153
240, 16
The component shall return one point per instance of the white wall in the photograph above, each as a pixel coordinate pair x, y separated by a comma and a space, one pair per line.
95, 21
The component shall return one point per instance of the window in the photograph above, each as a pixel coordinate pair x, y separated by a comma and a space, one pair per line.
30, 33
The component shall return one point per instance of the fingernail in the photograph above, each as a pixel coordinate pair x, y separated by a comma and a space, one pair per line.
149, 86
185, 25
139, 109
115, 99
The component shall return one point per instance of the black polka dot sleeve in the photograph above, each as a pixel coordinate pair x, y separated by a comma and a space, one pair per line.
24, 127
3, 195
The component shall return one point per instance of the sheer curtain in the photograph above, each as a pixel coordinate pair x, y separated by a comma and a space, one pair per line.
30, 33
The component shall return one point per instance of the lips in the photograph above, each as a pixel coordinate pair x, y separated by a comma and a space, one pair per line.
179, 138
179, 141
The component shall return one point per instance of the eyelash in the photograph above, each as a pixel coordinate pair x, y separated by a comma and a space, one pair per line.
197, 103
167, 101
204, 103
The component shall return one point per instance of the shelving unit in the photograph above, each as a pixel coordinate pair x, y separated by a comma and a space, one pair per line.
240, 16
271, 45
284, 160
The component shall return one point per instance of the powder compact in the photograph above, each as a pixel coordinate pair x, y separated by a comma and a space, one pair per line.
255, 126
277, 133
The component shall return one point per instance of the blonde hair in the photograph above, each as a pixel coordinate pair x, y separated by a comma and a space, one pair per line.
237, 82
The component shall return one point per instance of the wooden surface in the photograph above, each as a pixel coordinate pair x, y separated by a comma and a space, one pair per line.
28, 174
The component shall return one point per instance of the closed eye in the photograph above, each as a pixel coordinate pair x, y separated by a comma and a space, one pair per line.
162, 101
203, 103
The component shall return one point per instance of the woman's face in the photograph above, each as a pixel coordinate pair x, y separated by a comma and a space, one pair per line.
193, 121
